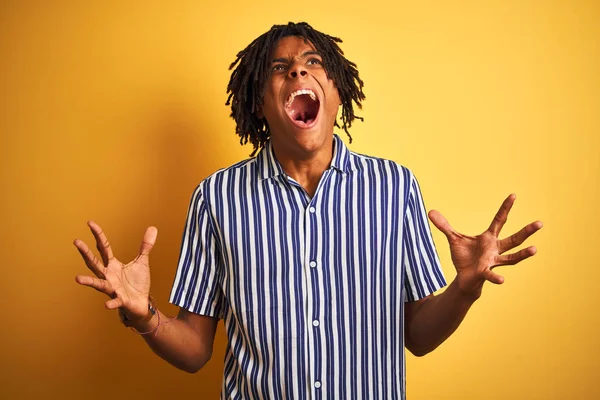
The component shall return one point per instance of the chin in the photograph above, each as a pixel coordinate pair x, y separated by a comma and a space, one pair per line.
301, 142
312, 140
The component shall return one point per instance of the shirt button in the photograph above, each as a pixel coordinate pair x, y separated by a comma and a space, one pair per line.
317, 384
315, 323
312, 210
313, 264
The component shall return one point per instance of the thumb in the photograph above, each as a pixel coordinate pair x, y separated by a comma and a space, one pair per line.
441, 223
148, 241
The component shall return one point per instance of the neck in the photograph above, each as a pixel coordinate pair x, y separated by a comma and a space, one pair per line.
305, 167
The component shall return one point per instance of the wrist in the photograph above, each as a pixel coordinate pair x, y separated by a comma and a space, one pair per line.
469, 293
471, 296
146, 325
132, 320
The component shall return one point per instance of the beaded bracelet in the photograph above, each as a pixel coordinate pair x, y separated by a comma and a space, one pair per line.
156, 327
152, 331
151, 312
146, 318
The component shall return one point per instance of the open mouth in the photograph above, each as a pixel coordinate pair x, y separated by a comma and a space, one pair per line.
302, 106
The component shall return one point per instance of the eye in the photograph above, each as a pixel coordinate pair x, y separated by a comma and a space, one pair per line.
278, 68
314, 61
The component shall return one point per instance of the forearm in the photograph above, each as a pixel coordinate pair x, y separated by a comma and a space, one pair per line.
436, 319
175, 341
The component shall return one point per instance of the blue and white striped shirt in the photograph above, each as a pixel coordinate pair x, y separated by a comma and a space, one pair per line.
311, 290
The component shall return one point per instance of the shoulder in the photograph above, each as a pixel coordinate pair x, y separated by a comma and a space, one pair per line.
367, 163
222, 179
246, 168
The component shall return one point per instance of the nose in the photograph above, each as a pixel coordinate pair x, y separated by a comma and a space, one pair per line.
297, 70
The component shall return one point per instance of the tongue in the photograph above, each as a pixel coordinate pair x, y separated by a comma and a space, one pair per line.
304, 109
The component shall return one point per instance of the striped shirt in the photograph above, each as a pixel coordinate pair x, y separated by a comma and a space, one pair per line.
311, 290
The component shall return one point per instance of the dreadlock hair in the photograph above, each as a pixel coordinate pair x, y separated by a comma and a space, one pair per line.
247, 84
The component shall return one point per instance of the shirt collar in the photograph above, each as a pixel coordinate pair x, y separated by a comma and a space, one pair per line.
341, 155
269, 167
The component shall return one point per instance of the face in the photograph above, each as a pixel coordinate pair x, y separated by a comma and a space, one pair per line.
300, 102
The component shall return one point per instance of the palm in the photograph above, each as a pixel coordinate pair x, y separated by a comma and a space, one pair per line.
128, 285
131, 282
475, 257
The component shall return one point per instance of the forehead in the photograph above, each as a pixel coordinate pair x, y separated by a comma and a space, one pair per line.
291, 46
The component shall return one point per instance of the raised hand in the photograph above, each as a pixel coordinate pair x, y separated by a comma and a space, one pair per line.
127, 285
475, 257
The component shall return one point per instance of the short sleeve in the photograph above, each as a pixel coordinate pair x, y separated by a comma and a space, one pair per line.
422, 269
197, 281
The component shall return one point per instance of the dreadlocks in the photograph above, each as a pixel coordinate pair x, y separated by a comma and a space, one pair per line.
247, 84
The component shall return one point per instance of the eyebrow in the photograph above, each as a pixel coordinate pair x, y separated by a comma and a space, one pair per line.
304, 55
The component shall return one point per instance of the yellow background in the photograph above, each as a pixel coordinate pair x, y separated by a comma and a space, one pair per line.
114, 111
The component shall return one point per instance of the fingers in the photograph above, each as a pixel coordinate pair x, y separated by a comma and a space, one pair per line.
148, 241
441, 223
513, 258
102, 243
90, 258
100, 285
494, 277
519, 237
502, 215
114, 303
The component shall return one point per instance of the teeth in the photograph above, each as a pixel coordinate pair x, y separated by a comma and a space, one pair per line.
290, 99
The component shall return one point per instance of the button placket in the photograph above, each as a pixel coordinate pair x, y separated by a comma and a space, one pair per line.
313, 316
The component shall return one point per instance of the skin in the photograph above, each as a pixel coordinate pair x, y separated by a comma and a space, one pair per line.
187, 340
431, 320
303, 153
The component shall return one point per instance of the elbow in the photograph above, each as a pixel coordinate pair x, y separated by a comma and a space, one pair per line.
190, 369
416, 350
195, 364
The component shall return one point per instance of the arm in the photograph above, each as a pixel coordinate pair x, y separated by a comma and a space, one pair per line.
185, 342
431, 320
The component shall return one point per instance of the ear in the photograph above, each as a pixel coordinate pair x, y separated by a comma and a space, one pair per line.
259, 113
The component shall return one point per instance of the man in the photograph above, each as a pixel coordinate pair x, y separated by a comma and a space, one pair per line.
320, 261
